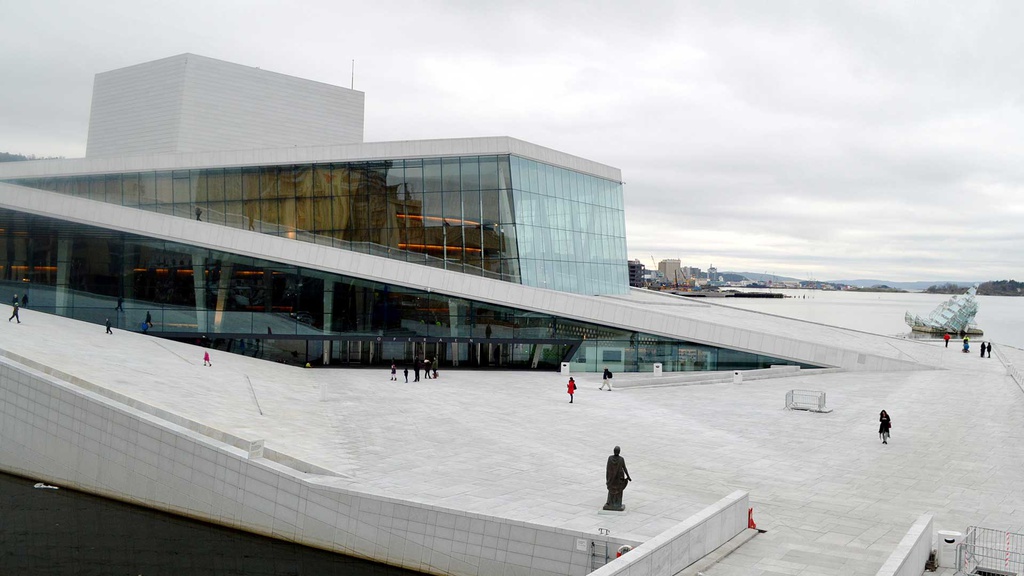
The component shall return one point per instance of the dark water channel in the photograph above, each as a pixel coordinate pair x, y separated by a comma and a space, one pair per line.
68, 533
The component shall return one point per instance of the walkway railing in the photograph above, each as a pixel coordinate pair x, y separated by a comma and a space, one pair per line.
988, 551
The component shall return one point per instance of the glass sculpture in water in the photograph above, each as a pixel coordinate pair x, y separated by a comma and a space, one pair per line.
954, 316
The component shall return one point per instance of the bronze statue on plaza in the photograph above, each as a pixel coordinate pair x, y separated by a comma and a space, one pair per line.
616, 478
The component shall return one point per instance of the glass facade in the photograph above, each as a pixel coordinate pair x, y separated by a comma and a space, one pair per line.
502, 217
571, 229
282, 312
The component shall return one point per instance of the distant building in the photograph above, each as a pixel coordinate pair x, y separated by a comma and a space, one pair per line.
637, 271
670, 270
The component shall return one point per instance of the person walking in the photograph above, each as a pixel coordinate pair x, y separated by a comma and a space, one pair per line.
606, 379
120, 304
416, 370
406, 372
884, 424
982, 348
24, 300
109, 331
989, 348
572, 388
14, 314
946, 338
394, 372
426, 368
206, 359
967, 344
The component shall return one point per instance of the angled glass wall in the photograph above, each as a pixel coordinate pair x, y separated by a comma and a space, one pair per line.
288, 313
501, 217
571, 229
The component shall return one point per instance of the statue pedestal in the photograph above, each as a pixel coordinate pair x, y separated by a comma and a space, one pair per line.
604, 512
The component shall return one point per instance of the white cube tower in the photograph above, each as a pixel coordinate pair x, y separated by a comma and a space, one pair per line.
190, 103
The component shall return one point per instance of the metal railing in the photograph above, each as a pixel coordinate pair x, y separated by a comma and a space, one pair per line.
988, 552
812, 400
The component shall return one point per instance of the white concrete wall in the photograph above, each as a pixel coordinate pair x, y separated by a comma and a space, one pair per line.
673, 550
911, 554
137, 109
76, 438
190, 103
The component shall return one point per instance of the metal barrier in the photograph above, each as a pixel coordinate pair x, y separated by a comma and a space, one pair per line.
988, 552
812, 400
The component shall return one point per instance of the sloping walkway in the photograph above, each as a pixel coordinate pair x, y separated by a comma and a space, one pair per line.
833, 499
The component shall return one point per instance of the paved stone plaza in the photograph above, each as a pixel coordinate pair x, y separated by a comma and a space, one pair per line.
832, 498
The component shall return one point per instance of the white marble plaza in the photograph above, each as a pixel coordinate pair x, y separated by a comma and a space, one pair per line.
832, 498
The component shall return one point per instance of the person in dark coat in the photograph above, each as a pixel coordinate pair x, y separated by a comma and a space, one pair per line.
989, 349
884, 424
982, 349
14, 314
572, 388
109, 331
24, 300
406, 372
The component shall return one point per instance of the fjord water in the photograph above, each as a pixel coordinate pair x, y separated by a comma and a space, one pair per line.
67, 533
1001, 317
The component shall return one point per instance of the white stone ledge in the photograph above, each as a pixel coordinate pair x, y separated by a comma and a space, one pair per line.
911, 554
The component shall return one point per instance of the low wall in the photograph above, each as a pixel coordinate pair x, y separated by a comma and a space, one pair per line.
647, 379
65, 435
911, 554
673, 550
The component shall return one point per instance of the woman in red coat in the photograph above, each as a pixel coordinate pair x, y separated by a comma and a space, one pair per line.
572, 388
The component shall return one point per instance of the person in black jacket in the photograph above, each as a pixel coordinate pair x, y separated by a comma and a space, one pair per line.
884, 424
606, 380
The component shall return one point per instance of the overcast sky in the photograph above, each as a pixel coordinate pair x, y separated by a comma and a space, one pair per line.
825, 140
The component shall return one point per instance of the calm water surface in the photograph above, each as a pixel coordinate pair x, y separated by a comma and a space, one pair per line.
66, 533
1001, 317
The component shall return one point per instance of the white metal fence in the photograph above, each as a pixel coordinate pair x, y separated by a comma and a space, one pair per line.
988, 552
812, 400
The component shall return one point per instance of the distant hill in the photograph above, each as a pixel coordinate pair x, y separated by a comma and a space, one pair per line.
761, 277
916, 285
860, 283
9, 157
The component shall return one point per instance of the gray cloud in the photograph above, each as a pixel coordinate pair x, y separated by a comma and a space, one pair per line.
809, 139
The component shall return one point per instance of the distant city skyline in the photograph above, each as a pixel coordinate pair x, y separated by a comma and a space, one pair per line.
811, 140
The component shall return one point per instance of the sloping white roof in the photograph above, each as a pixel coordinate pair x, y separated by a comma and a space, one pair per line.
644, 311
367, 151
